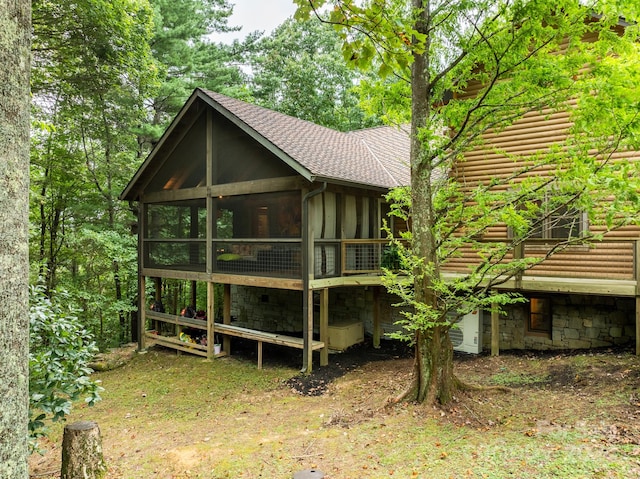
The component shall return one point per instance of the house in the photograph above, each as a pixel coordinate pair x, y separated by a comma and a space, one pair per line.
584, 296
275, 223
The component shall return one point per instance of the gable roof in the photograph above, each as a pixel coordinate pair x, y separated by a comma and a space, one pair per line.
375, 157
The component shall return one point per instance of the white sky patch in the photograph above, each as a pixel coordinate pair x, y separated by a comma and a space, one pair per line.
252, 15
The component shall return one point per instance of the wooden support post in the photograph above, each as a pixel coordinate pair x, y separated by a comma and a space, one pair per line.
142, 298
259, 354
324, 326
307, 346
226, 317
637, 275
210, 319
518, 253
376, 317
495, 330
638, 325
142, 314
82, 456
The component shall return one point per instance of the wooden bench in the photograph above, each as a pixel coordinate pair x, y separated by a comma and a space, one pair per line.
174, 342
264, 337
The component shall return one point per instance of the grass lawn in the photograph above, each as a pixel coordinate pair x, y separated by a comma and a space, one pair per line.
178, 416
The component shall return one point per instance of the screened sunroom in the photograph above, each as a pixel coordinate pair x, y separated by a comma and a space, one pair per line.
237, 195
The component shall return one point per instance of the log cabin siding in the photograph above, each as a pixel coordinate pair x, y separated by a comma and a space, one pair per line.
505, 151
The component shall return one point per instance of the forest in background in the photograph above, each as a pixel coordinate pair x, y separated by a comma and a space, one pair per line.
107, 79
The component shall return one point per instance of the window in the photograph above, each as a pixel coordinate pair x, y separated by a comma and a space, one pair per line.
560, 222
260, 215
539, 317
551, 219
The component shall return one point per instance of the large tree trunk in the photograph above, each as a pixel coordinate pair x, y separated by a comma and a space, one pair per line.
433, 367
15, 29
433, 379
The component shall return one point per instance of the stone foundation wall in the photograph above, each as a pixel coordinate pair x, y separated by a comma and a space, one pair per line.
275, 310
281, 310
578, 321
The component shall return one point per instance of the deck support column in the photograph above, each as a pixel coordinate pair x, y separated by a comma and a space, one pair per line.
226, 317
377, 333
495, 330
307, 351
637, 275
324, 326
307, 274
210, 319
638, 325
142, 314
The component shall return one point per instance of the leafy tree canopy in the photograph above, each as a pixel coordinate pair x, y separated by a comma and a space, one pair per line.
299, 70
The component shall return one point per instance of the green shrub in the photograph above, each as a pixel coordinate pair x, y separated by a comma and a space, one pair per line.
60, 350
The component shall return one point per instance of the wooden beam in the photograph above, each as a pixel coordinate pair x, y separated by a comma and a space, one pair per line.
142, 313
211, 203
226, 316
637, 325
175, 343
308, 351
210, 319
142, 299
354, 280
551, 284
176, 274
495, 330
178, 320
269, 185
376, 317
266, 337
324, 326
636, 261
257, 281
184, 194
518, 253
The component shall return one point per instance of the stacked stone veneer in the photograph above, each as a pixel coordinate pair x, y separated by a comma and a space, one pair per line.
578, 321
265, 309
281, 310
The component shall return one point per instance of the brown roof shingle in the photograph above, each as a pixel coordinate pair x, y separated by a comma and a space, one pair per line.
376, 156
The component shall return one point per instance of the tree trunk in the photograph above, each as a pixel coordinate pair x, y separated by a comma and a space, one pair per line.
433, 379
121, 316
433, 367
15, 30
82, 456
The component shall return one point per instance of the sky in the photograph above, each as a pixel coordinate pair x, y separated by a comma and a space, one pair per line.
252, 15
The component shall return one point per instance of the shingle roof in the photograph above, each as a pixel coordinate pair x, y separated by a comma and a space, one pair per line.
376, 156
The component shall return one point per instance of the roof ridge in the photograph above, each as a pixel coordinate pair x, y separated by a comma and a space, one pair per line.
386, 170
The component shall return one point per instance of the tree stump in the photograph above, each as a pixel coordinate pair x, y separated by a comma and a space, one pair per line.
82, 456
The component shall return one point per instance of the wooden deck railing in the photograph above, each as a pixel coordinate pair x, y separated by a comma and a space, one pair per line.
612, 259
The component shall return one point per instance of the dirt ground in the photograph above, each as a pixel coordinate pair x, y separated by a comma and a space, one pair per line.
571, 414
